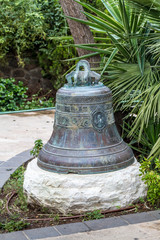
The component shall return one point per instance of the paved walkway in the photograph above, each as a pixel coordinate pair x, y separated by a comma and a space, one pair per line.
143, 231
103, 229
19, 131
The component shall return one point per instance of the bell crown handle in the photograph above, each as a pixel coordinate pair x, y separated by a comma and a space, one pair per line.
82, 78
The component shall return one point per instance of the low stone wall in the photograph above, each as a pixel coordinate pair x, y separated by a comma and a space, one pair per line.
30, 75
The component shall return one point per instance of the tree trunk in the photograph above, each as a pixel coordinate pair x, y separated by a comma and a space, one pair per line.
81, 33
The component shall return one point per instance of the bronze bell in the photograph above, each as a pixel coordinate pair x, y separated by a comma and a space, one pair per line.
85, 138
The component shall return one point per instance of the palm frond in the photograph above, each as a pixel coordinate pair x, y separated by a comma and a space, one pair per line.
155, 152
127, 36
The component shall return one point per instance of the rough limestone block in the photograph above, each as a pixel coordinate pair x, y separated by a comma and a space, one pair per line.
73, 193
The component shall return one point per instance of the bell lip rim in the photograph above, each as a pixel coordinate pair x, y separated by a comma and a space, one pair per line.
88, 156
85, 170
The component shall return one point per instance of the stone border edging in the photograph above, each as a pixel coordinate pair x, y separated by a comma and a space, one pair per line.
8, 167
79, 227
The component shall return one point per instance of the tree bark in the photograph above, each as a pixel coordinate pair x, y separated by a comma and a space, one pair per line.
81, 33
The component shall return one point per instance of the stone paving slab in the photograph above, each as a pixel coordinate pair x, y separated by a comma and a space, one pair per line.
156, 214
13, 236
17, 160
1, 184
41, 233
4, 176
139, 217
9, 167
66, 229
143, 231
18, 133
105, 223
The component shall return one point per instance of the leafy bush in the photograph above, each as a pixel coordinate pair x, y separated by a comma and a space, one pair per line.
51, 60
21, 25
53, 17
38, 144
150, 170
13, 97
27, 24
148, 139
28, 28
37, 102
52, 51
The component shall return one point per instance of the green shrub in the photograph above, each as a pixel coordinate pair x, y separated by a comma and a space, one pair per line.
38, 144
11, 95
51, 61
21, 25
150, 170
130, 62
53, 17
52, 51
28, 27
37, 102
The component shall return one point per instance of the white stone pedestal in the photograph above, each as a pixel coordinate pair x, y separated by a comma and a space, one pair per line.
72, 193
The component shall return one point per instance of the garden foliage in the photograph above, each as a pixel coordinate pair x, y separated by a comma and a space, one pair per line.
11, 95
14, 97
35, 28
51, 51
38, 144
150, 170
129, 44
28, 28
21, 26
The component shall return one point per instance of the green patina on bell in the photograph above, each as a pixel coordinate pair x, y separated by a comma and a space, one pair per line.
85, 139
